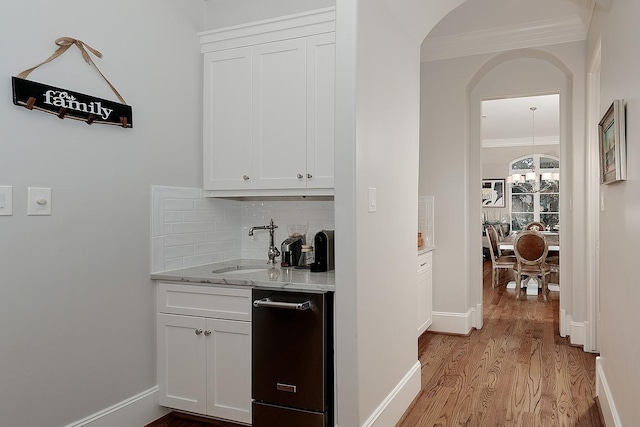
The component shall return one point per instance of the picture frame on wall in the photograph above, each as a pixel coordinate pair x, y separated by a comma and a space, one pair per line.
493, 193
613, 146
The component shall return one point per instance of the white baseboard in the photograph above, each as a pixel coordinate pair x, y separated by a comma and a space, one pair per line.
136, 411
607, 405
577, 331
389, 412
453, 323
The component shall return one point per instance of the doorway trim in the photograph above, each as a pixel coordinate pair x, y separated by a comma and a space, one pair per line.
474, 99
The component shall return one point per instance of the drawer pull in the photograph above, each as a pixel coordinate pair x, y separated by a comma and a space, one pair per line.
286, 387
245, 177
207, 333
198, 331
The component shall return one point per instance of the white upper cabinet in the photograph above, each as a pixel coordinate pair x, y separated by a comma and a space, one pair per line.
321, 65
228, 119
279, 111
269, 95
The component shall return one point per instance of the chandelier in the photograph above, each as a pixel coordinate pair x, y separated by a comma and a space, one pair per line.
532, 177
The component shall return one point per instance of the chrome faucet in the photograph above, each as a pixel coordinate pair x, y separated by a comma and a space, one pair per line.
273, 251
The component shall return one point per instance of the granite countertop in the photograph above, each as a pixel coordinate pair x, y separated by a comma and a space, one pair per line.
273, 278
425, 249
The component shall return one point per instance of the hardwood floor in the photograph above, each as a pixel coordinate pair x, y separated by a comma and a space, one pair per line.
515, 371
176, 419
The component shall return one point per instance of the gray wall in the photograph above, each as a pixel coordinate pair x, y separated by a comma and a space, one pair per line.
619, 231
77, 309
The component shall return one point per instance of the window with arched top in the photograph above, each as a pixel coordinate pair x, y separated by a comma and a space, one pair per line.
535, 191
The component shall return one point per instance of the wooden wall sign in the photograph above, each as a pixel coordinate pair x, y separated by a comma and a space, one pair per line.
66, 103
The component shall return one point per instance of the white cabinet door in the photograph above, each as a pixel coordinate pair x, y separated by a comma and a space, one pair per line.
227, 121
321, 64
424, 292
279, 112
229, 369
181, 362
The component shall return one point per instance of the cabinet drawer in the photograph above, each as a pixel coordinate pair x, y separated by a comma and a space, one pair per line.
205, 301
425, 261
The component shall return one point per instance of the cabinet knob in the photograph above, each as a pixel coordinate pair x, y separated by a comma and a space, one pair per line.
198, 331
245, 177
300, 176
309, 176
207, 333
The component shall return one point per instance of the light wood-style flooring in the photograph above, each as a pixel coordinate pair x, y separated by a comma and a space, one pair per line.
515, 371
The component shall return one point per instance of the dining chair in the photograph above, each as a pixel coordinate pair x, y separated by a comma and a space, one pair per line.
498, 260
531, 249
535, 226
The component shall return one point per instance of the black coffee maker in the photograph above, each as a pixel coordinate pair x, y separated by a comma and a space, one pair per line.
291, 250
323, 246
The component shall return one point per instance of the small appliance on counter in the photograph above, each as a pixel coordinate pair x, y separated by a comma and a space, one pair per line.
323, 246
291, 251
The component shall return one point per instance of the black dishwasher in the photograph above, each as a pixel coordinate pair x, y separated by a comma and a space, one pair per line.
292, 359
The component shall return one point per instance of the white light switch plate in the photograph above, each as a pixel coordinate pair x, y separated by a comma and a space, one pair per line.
38, 201
6, 200
372, 203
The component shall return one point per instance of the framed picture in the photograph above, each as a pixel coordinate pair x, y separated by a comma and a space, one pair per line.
613, 147
493, 192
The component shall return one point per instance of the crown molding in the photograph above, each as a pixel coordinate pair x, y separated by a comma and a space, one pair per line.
500, 39
520, 142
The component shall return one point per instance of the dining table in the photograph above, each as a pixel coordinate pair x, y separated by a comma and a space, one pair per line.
553, 241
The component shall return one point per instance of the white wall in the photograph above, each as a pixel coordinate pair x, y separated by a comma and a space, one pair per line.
619, 227
451, 93
77, 310
226, 13
386, 159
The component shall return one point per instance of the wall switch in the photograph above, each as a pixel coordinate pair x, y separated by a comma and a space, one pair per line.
6, 200
38, 201
372, 204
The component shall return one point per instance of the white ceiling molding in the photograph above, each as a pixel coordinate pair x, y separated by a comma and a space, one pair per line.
500, 39
520, 142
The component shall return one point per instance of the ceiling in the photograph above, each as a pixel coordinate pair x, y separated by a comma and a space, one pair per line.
490, 26
510, 122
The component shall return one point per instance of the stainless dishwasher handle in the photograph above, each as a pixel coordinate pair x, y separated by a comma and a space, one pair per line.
266, 302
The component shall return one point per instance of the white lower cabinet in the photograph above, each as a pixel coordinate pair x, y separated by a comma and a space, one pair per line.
425, 291
204, 362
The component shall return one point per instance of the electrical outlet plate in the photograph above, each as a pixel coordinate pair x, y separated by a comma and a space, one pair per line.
6, 200
38, 201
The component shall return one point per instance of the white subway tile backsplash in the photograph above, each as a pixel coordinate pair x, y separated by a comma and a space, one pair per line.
173, 264
178, 251
173, 217
189, 229
178, 205
192, 227
184, 239
203, 259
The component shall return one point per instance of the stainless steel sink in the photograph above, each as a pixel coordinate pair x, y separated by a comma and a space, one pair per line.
240, 269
